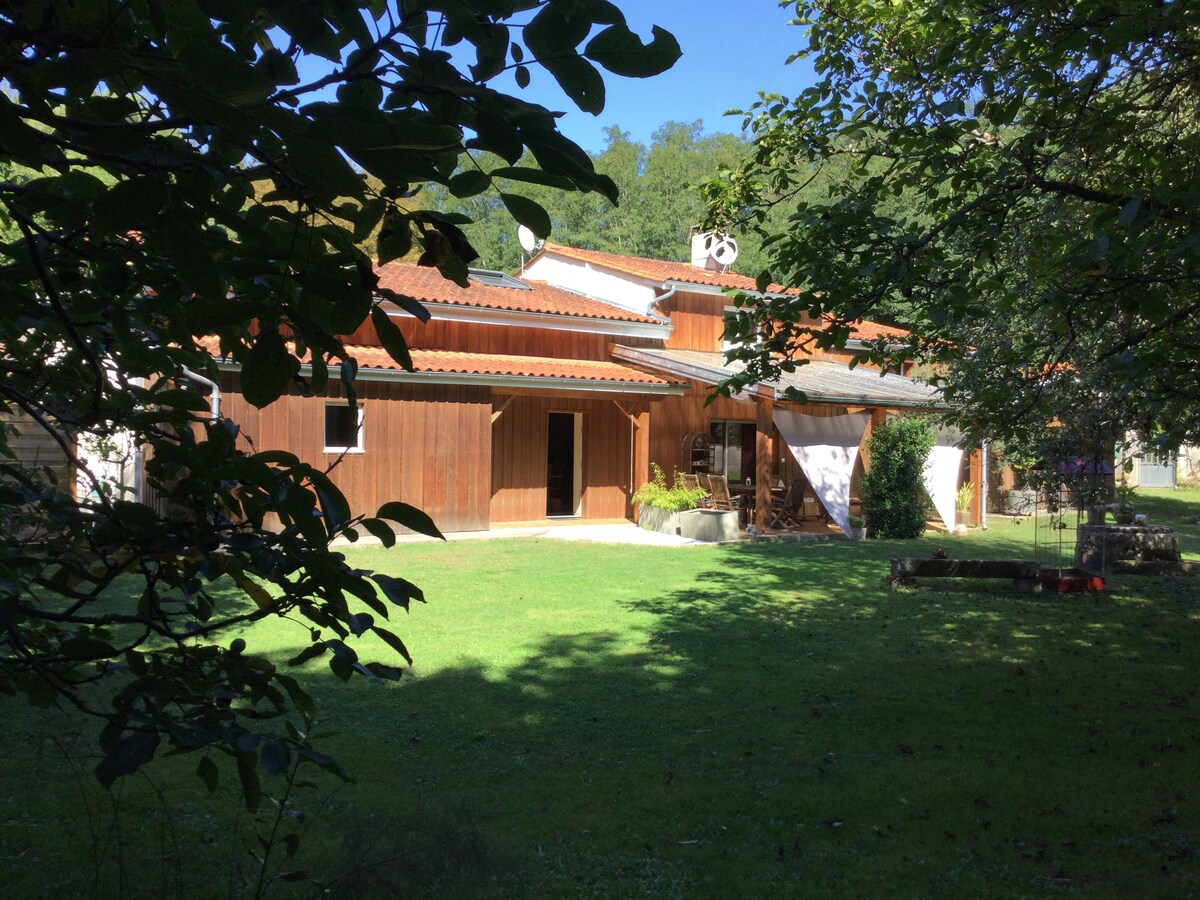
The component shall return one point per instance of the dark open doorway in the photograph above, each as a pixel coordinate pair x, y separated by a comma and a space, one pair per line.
563, 464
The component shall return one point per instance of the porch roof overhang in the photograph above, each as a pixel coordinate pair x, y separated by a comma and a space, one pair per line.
437, 367
821, 381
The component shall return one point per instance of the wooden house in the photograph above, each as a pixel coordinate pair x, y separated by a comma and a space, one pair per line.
548, 395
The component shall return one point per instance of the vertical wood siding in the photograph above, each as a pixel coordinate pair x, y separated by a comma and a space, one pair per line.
519, 457
425, 445
439, 334
698, 321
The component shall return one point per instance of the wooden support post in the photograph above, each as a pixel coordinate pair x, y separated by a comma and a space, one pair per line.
976, 475
640, 446
762, 463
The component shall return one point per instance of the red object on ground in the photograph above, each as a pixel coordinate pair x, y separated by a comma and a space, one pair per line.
1070, 581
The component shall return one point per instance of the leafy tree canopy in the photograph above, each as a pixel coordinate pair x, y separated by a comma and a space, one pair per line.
1016, 182
660, 200
170, 174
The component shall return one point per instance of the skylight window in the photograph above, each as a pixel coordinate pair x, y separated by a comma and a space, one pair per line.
492, 278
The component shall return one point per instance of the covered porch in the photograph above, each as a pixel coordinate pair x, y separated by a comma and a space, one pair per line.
764, 443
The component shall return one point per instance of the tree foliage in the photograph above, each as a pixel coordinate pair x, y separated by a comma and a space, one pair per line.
1016, 182
660, 201
894, 500
200, 169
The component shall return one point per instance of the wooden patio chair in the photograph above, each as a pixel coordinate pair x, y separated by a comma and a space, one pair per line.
692, 482
787, 511
718, 492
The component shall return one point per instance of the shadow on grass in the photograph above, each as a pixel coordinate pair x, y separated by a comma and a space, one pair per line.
781, 725
788, 726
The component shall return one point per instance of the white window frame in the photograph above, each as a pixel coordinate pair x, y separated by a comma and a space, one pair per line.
359, 446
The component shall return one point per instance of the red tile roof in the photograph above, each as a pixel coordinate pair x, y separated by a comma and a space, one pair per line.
870, 331
664, 270
447, 362
428, 285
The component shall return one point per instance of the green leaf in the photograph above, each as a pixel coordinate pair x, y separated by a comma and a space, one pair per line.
207, 771
394, 642
391, 337
534, 176
410, 517
469, 183
131, 204
84, 647
528, 213
381, 530
129, 754
579, 80
268, 369
275, 756
621, 51
189, 252
248, 774
398, 590
311, 652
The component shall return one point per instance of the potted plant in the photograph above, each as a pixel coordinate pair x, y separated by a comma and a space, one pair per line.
858, 528
962, 503
659, 506
1123, 514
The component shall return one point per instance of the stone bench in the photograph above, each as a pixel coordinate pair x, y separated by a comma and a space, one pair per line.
1102, 547
1019, 570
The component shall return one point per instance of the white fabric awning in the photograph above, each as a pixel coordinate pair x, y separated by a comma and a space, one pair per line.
826, 447
941, 474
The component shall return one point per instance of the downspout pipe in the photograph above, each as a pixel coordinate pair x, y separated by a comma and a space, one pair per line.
214, 400
983, 449
657, 300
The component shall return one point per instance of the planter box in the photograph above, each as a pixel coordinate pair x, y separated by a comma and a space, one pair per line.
665, 521
709, 524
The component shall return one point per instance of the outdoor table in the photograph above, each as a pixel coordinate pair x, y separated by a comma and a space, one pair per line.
749, 493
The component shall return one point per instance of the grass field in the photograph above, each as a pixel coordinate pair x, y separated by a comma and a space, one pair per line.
755, 720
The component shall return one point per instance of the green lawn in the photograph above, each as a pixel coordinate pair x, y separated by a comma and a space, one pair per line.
738, 721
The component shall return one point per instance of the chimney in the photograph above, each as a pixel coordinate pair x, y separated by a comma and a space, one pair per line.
712, 250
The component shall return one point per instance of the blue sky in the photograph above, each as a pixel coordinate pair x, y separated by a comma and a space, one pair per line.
732, 49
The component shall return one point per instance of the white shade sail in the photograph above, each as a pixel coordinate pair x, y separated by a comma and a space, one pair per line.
826, 448
941, 474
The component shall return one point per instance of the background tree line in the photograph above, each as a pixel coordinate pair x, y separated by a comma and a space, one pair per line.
659, 201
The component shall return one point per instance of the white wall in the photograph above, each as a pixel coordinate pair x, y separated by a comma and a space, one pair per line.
582, 278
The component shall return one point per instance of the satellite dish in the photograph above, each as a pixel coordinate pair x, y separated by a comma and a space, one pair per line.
724, 250
528, 240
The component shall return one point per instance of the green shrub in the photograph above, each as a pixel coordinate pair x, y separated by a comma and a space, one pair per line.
894, 501
675, 498
963, 496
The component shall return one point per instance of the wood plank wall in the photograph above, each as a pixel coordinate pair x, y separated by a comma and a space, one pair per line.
425, 445
698, 321
699, 324
519, 457
35, 448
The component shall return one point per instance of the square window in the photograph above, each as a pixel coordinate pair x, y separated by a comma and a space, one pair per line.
343, 428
